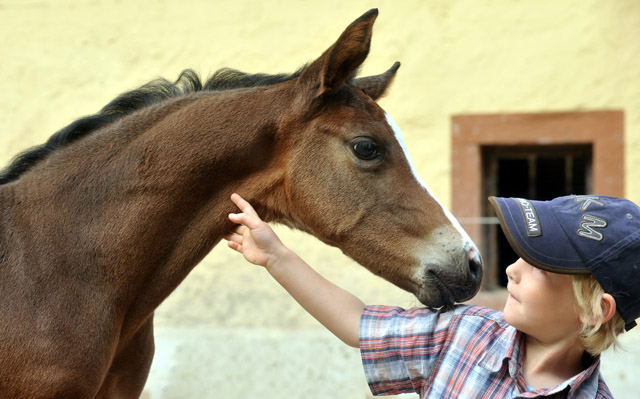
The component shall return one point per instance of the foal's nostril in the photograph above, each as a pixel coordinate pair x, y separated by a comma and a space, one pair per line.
475, 268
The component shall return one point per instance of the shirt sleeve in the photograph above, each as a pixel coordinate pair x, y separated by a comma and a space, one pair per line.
400, 348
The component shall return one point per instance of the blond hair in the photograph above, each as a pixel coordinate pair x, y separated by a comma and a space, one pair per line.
595, 336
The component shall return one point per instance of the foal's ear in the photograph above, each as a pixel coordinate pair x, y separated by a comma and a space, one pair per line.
375, 86
341, 61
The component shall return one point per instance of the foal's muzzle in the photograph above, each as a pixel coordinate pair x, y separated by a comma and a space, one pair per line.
443, 287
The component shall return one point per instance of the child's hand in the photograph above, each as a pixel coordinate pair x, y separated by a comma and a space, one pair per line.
334, 307
253, 238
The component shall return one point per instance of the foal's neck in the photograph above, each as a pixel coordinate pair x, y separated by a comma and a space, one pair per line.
185, 168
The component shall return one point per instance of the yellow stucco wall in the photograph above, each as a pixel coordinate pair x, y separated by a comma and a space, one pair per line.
228, 323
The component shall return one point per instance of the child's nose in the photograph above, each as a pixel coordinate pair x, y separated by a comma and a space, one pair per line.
512, 272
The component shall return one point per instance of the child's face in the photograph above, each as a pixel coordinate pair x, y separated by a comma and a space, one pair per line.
541, 304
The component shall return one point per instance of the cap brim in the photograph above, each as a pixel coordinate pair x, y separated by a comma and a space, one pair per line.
550, 250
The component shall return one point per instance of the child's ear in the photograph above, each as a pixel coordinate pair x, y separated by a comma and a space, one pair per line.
608, 307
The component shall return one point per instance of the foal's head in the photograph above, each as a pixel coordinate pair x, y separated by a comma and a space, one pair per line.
349, 180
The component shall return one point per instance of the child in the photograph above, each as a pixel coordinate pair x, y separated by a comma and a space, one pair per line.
573, 290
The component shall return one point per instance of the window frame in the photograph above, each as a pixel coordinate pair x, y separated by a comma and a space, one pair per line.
603, 130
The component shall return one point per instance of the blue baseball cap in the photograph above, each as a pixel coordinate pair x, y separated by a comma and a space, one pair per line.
580, 234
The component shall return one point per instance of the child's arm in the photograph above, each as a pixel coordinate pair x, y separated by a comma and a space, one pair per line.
338, 310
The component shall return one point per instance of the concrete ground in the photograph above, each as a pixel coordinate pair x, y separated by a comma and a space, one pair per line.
309, 363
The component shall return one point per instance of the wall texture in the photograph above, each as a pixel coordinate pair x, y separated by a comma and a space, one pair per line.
229, 331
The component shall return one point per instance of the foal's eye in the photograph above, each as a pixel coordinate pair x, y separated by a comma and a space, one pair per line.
366, 149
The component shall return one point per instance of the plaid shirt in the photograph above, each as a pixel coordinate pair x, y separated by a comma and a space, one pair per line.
469, 352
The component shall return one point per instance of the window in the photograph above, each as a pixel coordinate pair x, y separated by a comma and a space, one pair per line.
538, 156
537, 172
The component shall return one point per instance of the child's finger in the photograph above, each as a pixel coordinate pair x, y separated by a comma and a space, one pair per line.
235, 237
251, 221
239, 230
235, 246
244, 206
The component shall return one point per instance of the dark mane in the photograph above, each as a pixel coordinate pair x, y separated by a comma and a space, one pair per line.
150, 93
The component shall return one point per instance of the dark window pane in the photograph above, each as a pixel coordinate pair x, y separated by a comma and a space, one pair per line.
535, 172
550, 178
579, 176
513, 177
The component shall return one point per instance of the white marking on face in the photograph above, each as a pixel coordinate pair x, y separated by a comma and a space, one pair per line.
452, 219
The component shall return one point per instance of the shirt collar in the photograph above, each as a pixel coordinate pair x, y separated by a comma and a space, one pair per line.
507, 347
583, 385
